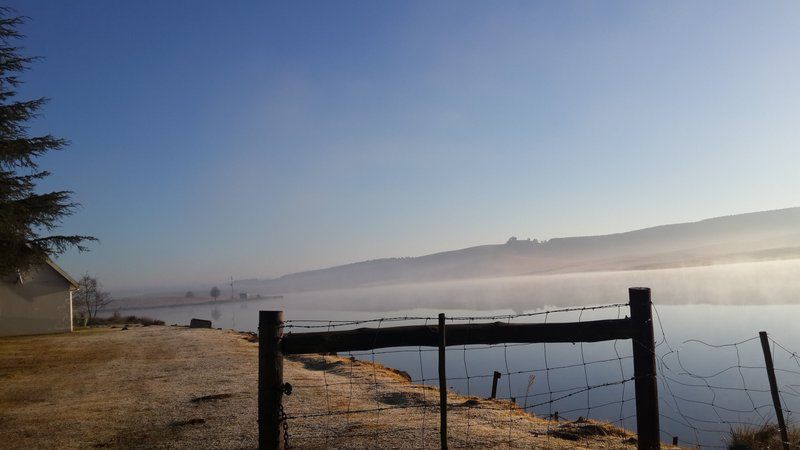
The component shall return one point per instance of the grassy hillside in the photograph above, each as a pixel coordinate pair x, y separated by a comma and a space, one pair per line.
745, 237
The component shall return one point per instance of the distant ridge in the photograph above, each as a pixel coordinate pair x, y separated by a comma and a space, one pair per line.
753, 236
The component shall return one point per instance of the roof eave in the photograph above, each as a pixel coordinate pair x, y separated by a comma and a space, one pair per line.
73, 284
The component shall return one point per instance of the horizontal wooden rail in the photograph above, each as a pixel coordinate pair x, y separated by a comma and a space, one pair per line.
638, 328
465, 334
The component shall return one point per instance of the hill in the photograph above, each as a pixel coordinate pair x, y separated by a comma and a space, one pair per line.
755, 236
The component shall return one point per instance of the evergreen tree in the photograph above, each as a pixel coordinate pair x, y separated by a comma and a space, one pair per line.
27, 217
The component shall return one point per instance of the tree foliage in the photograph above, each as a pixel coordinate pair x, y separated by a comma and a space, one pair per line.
27, 217
90, 298
215, 292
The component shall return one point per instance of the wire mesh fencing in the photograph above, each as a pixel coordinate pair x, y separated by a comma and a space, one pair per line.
719, 395
372, 397
516, 380
536, 379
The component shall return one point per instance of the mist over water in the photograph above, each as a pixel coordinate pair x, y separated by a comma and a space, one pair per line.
715, 304
759, 283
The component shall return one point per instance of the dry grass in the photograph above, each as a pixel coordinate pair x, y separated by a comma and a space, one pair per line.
174, 387
105, 387
764, 437
472, 421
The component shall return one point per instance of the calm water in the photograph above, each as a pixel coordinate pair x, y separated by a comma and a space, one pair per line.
698, 306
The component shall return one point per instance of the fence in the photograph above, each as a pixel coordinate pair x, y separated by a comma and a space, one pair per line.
706, 391
729, 399
638, 326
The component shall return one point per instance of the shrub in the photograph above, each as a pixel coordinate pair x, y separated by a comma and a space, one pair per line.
763, 437
117, 319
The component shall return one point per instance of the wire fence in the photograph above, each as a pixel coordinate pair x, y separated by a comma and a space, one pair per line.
562, 383
529, 394
711, 391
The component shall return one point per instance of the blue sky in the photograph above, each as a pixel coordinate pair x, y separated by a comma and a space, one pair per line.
258, 138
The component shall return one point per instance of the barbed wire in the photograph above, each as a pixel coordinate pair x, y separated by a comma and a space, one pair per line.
329, 324
485, 375
699, 408
511, 401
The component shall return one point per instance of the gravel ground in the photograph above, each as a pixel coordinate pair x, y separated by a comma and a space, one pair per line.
174, 387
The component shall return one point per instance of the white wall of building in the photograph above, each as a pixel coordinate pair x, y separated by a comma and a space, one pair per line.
41, 305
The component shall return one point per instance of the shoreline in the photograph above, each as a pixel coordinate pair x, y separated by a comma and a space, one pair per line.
180, 304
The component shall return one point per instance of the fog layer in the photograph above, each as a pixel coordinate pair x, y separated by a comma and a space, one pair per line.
761, 283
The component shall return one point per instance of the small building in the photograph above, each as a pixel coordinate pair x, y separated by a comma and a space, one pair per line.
38, 302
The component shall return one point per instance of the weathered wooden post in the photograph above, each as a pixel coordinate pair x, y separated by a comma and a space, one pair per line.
644, 369
495, 377
270, 380
442, 385
773, 387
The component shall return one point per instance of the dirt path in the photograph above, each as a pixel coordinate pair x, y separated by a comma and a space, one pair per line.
143, 387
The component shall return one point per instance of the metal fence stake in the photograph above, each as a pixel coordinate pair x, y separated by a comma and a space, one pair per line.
442, 385
773, 387
495, 377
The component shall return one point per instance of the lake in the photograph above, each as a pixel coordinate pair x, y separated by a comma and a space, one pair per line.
703, 389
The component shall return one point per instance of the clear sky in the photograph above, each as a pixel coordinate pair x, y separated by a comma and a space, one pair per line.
254, 138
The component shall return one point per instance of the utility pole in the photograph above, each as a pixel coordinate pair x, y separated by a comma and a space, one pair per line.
231, 287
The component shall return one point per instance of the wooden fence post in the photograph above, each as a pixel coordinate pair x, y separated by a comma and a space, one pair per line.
773, 387
270, 380
495, 377
644, 370
442, 385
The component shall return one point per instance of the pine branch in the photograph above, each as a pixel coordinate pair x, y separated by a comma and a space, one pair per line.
25, 214
59, 244
21, 152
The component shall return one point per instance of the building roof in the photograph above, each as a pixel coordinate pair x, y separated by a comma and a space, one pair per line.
73, 284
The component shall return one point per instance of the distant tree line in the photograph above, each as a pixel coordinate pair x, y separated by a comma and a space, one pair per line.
513, 239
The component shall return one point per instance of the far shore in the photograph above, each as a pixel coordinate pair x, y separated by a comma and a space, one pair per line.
135, 304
